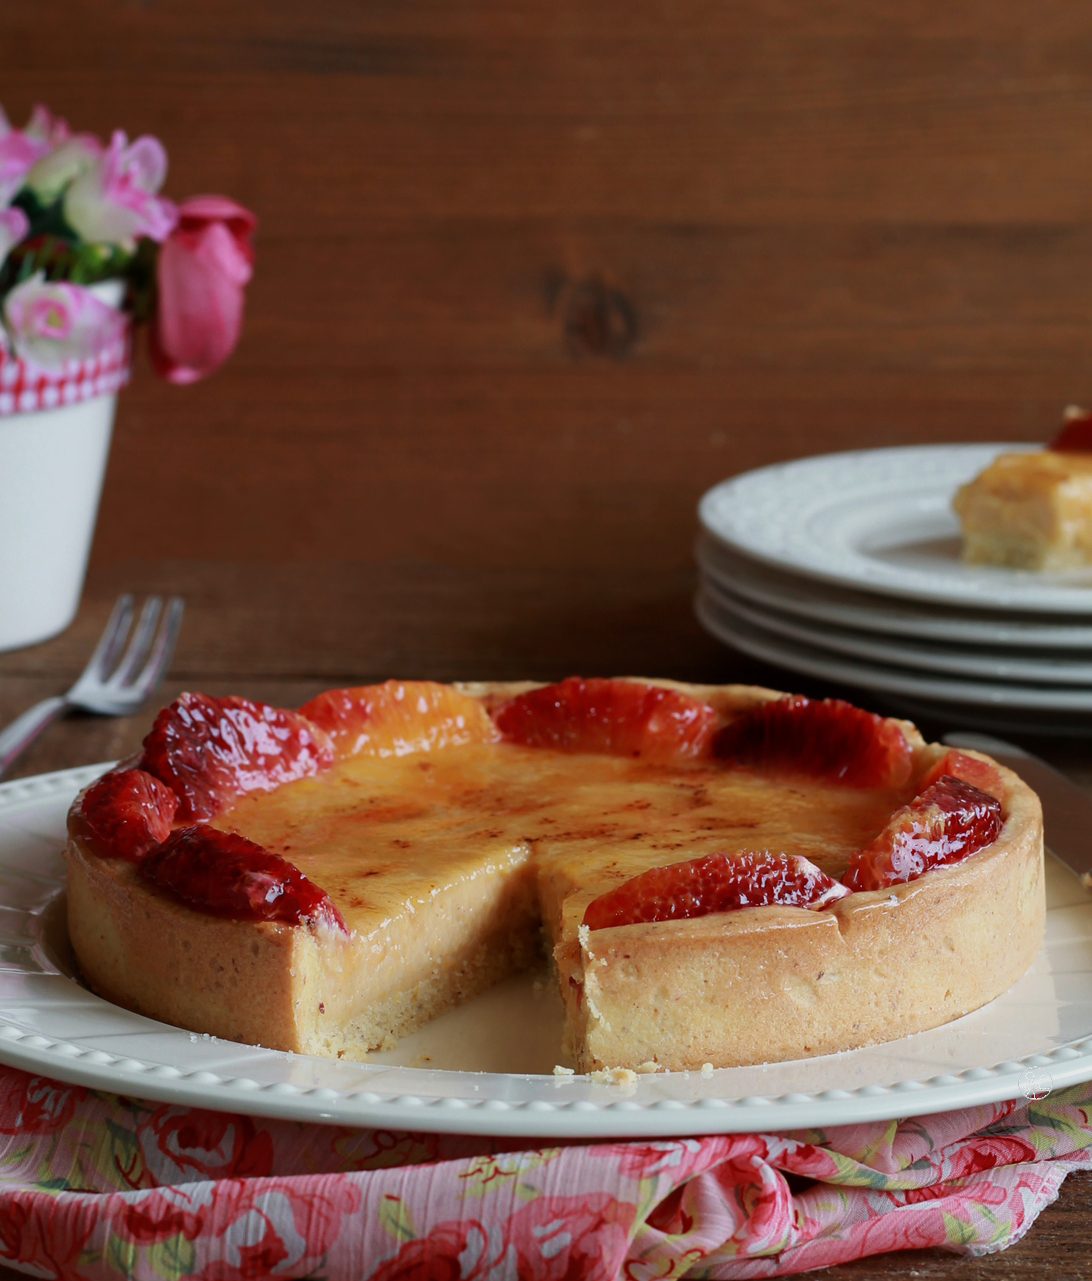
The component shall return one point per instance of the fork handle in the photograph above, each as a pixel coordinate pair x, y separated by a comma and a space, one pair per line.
25, 729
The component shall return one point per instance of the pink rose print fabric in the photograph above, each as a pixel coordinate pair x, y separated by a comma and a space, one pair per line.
94, 1186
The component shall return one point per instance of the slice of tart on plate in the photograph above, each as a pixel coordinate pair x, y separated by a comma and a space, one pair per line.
1033, 510
722, 874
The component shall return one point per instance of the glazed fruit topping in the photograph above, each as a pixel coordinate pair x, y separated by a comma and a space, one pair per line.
612, 717
399, 717
1076, 434
210, 750
948, 822
969, 768
127, 813
224, 874
832, 741
714, 883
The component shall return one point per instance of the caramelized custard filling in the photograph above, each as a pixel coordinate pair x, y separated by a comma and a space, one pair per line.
381, 834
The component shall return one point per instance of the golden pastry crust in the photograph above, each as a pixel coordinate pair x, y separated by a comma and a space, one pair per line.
776, 983
1029, 511
756, 985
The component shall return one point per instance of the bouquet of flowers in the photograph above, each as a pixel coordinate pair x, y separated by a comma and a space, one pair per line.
87, 245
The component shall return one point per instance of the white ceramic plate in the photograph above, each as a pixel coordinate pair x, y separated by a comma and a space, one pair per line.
758, 640
50, 1024
1037, 668
880, 520
810, 599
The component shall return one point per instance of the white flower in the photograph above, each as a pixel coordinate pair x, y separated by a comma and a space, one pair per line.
50, 175
114, 201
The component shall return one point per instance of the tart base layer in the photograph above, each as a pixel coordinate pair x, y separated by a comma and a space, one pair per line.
765, 984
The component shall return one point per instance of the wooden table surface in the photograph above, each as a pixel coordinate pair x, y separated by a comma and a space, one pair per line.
283, 633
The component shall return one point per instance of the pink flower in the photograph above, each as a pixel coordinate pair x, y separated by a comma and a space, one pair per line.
13, 227
678, 1159
113, 201
431, 1258
159, 1214
203, 266
557, 1238
245, 1228
985, 1152
21, 149
51, 323
49, 1238
184, 1144
37, 1105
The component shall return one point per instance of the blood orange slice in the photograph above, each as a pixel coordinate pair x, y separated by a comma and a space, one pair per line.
610, 717
210, 750
969, 768
224, 874
714, 883
832, 740
127, 813
399, 717
948, 822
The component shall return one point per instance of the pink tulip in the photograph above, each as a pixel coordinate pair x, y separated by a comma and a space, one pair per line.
21, 149
203, 266
13, 227
114, 201
49, 323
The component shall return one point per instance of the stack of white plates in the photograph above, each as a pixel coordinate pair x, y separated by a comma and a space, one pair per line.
847, 567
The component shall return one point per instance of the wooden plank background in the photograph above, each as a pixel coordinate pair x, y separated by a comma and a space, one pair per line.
534, 274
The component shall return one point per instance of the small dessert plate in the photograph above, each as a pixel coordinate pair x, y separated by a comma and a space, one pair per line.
1031, 667
763, 642
809, 599
486, 1068
880, 520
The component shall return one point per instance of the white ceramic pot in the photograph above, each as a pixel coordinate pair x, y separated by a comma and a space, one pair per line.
55, 430
51, 468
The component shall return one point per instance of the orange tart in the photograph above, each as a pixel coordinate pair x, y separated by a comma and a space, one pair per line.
722, 875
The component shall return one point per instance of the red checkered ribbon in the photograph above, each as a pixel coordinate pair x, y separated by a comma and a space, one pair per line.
25, 388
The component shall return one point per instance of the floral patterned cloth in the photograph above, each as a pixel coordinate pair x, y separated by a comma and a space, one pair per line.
96, 1186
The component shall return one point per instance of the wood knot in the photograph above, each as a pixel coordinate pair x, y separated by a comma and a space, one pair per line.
598, 319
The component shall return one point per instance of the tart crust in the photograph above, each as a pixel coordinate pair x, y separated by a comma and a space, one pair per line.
761, 984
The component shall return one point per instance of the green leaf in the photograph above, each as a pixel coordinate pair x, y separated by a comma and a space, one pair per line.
178, 1254
60, 258
395, 1220
51, 1185
956, 1231
121, 1256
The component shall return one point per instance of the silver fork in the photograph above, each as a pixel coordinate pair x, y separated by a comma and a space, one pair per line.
112, 683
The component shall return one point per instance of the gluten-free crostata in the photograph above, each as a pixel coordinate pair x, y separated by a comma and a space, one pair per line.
722, 874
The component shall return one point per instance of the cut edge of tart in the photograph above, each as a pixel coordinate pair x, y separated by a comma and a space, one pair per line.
288, 958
